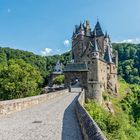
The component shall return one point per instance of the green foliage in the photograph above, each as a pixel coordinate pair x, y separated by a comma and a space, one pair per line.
131, 104
44, 64
129, 61
36, 61
109, 124
125, 123
58, 80
19, 79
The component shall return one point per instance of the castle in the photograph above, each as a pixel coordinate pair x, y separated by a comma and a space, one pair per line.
94, 63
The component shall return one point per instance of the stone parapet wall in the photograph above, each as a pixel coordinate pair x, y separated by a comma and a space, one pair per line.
10, 106
89, 128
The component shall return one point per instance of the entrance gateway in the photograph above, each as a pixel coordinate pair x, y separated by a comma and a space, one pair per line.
76, 74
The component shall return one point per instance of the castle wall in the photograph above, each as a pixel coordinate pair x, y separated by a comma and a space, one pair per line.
94, 91
113, 79
102, 73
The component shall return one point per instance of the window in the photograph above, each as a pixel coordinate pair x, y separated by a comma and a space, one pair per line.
88, 62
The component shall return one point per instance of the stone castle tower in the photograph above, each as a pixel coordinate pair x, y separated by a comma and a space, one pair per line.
92, 50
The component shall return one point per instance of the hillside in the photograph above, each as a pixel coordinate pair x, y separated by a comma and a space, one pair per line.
128, 67
44, 64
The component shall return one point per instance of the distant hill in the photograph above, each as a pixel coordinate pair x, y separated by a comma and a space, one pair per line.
44, 64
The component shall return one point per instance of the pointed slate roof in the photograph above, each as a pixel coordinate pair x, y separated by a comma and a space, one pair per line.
98, 29
107, 56
95, 44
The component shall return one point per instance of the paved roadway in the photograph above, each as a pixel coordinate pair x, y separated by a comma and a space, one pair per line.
53, 120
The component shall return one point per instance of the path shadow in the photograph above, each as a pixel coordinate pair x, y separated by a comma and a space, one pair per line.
71, 129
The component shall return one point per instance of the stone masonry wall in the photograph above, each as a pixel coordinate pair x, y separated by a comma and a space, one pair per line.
89, 128
10, 106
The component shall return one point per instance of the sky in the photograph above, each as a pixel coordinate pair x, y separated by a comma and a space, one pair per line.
45, 27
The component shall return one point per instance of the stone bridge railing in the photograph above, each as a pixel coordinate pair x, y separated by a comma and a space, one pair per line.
9, 106
89, 128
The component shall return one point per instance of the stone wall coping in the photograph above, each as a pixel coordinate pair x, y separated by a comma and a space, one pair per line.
89, 127
29, 98
10, 106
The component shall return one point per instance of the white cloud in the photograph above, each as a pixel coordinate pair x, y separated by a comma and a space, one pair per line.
46, 51
66, 42
134, 40
9, 10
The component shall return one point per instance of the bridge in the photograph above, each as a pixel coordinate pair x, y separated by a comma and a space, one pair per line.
54, 119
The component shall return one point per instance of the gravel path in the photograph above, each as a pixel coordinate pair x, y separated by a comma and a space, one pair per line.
53, 120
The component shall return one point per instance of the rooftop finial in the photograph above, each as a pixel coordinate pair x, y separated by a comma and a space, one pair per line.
97, 19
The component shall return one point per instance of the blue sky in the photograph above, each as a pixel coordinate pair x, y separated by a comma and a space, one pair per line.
46, 26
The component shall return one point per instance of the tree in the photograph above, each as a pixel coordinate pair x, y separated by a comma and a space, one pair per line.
58, 80
19, 79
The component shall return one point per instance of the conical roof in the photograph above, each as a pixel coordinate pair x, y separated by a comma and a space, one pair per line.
107, 56
98, 29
